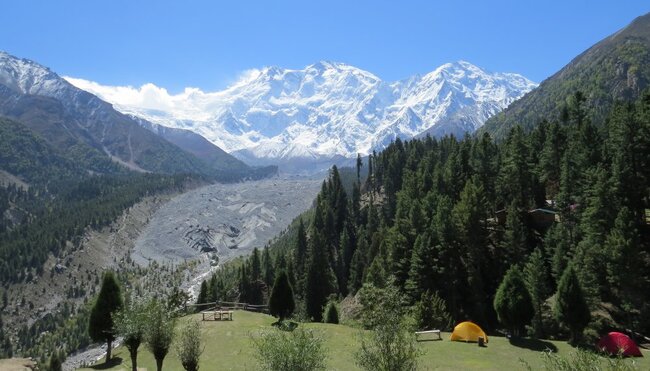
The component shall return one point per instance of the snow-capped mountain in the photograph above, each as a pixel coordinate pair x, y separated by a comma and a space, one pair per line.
325, 111
91, 133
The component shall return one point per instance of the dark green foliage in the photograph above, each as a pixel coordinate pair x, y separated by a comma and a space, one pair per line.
430, 313
55, 362
331, 313
430, 218
203, 294
90, 202
571, 308
536, 276
281, 302
512, 302
101, 326
319, 277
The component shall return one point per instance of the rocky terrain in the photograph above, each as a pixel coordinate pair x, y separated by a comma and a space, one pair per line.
225, 220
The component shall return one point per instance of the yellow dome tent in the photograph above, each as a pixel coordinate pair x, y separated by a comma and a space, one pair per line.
468, 331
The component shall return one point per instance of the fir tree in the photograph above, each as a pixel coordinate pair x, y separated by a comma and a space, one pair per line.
281, 302
101, 326
512, 302
319, 277
536, 277
571, 307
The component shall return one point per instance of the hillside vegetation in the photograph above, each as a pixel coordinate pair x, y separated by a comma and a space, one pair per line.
452, 217
616, 68
228, 346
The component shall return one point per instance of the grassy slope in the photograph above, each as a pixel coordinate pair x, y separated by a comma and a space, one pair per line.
228, 347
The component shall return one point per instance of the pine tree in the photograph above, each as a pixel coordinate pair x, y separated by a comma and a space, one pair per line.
512, 302
301, 248
571, 307
318, 285
515, 238
422, 274
621, 253
281, 302
536, 277
430, 313
557, 240
268, 269
203, 294
469, 219
101, 326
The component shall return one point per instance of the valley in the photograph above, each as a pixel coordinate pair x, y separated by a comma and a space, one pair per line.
162, 243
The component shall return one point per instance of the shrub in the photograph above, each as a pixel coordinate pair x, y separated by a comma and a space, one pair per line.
188, 347
331, 314
391, 346
583, 360
288, 351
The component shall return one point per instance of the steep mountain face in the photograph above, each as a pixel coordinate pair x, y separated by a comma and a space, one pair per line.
195, 144
88, 130
329, 111
616, 68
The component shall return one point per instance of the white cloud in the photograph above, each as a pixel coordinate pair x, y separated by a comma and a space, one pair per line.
191, 103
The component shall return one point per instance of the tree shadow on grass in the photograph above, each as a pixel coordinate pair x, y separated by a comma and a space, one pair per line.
115, 361
533, 344
285, 325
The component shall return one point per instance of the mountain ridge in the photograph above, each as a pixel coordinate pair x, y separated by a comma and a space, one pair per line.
326, 110
615, 68
89, 130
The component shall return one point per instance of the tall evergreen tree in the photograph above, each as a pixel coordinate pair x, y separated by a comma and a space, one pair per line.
512, 302
536, 278
469, 219
318, 285
571, 307
101, 326
301, 248
281, 302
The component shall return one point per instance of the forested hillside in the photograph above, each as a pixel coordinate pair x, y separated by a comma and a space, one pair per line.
616, 68
450, 217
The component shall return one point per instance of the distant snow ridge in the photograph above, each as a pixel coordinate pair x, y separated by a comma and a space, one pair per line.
326, 111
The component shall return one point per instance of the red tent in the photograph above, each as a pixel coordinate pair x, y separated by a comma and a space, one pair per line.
616, 342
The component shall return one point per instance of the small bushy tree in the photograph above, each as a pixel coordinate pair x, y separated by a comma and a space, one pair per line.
571, 307
281, 302
189, 347
300, 349
130, 323
101, 326
431, 313
331, 313
391, 345
159, 331
512, 302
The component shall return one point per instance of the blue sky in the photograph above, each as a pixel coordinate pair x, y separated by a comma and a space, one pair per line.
208, 44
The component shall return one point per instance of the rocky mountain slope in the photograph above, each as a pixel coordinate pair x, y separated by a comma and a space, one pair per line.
617, 67
224, 220
86, 129
325, 111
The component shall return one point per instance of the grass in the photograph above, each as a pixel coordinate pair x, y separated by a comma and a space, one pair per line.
228, 347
